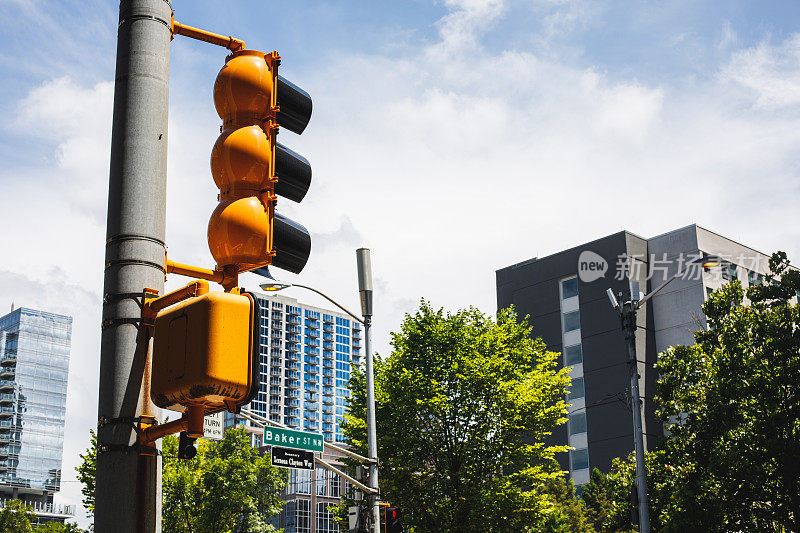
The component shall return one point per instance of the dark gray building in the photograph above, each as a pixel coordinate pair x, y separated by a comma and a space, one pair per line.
564, 295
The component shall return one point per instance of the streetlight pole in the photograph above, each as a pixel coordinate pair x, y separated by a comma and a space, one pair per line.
628, 323
365, 291
627, 314
364, 265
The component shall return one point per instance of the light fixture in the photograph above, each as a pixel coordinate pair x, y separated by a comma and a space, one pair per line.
271, 285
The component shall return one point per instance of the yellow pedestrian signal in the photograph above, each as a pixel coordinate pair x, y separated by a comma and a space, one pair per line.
205, 352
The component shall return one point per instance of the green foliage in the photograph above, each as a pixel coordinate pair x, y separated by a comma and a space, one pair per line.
462, 406
730, 462
86, 473
228, 486
600, 503
15, 517
568, 513
58, 527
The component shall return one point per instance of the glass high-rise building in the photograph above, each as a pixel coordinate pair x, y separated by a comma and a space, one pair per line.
307, 355
34, 364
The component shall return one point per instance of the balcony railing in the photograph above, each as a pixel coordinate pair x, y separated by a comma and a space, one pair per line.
46, 509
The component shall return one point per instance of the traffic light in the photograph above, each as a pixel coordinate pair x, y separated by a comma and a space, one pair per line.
392, 520
206, 352
186, 449
251, 169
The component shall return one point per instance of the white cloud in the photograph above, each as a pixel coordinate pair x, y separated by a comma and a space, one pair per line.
772, 72
449, 162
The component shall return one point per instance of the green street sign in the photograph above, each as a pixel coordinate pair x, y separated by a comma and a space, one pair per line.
289, 438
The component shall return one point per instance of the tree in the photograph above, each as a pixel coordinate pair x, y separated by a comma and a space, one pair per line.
15, 517
58, 527
228, 486
600, 503
569, 514
731, 462
463, 404
86, 473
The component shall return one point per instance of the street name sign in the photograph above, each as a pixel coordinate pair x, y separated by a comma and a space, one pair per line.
214, 426
289, 438
288, 458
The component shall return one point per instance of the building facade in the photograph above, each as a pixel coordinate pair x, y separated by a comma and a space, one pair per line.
34, 365
564, 295
307, 355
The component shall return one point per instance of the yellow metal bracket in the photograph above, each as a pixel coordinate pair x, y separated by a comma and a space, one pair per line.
154, 303
191, 422
231, 43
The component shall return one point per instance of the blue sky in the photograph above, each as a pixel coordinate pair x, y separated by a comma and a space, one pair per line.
452, 137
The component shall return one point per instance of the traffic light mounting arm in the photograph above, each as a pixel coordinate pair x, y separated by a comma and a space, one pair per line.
225, 278
231, 43
191, 422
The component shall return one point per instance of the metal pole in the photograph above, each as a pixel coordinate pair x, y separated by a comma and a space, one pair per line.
128, 485
628, 314
364, 264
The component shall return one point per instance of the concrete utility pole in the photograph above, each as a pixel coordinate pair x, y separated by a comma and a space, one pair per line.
628, 317
364, 264
128, 493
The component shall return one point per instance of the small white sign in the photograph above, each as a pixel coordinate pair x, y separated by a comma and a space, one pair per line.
214, 426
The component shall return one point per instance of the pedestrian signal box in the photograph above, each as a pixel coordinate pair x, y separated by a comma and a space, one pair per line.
206, 352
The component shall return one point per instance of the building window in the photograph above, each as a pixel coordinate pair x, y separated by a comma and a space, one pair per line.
580, 459
322, 487
577, 423
573, 355
336, 484
734, 269
572, 321
709, 290
576, 389
569, 288
303, 516
325, 521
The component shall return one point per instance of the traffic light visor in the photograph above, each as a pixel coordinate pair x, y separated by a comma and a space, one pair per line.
294, 106
292, 244
293, 172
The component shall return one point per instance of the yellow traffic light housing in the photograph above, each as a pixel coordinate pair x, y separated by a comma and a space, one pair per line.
250, 168
205, 352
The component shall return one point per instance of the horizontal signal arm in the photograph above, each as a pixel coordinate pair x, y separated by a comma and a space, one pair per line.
229, 42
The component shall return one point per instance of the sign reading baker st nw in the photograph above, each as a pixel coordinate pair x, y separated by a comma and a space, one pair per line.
289, 438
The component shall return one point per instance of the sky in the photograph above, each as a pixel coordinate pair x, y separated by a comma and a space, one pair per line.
451, 137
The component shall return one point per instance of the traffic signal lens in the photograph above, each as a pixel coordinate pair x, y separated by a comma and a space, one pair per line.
241, 158
243, 90
238, 231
